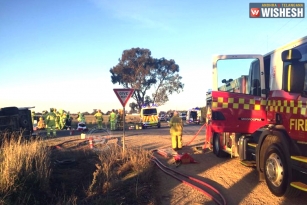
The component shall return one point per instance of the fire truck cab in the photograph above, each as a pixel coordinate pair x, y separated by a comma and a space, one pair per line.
260, 115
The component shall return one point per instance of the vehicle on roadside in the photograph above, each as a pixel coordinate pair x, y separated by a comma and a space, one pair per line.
162, 118
149, 117
193, 116
183, 115
259, 115
16, 120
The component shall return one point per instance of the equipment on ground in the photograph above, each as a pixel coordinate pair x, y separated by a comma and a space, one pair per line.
260, 116
82, 127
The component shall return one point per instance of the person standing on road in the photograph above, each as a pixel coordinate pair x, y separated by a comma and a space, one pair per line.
99, 119
112, 119
63, 118
58, 119
50, 121
44, 115
81, 117
32, 117
176, 129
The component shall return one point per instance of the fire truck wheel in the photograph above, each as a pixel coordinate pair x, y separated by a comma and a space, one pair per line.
217, 146
276, 172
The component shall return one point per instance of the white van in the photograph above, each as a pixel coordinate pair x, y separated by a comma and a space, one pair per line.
193, 116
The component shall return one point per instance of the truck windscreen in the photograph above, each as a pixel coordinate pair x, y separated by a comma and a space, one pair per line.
150, 112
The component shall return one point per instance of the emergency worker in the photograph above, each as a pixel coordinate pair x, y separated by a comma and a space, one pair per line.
41, 124
99, 119
58, 119
50, 121
68, 120
81, 117
63, 118
119, 118
44, 115
32, 116
176, 128
112, 119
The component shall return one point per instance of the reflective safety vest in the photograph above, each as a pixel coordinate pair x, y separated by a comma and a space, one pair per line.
98, 116
112, 116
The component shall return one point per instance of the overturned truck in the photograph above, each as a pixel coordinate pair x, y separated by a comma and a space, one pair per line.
16, 120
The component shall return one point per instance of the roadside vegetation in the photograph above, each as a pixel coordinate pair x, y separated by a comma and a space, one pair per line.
34, 173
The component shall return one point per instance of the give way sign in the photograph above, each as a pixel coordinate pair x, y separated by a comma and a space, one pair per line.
123, 95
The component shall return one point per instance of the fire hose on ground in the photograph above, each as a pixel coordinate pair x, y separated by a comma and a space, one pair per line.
192, 182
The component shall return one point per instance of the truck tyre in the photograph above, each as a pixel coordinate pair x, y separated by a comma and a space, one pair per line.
275, 169
159, 125
217, 146
10, 111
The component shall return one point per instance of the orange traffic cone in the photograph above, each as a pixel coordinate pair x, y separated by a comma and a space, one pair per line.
91, 142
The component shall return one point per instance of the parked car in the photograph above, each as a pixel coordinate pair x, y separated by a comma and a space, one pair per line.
183, 116
162, 118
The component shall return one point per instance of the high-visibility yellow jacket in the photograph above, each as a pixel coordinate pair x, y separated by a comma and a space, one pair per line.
98, 116
112, 117
50, 119
176, 125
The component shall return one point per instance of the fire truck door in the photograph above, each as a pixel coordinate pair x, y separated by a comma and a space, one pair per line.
243, 111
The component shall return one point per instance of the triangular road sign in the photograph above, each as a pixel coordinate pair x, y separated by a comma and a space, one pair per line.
123, 95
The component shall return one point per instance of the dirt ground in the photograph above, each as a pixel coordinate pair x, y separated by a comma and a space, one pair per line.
237, 183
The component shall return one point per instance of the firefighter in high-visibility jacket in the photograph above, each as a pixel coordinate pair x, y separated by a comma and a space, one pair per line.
112, 119
81, 117
41, 124
176, 130
57, 119
99, 119
63, 118
50, 121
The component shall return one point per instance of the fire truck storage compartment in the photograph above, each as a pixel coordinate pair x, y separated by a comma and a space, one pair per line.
243, 152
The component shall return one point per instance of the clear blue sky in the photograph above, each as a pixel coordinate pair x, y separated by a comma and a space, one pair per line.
58, 53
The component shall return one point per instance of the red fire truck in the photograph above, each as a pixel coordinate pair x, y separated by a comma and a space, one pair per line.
261, 116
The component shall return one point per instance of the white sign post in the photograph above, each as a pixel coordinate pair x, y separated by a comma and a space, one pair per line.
123, 95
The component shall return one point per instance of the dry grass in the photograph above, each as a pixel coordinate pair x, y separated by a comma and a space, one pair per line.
123, 176
32, 173
25, 171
